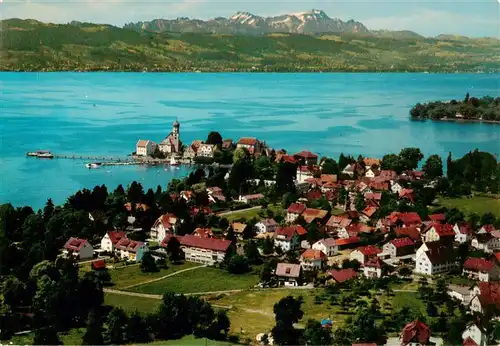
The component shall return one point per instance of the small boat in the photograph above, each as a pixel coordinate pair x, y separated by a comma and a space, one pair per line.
174, 162
93, 165
45, 155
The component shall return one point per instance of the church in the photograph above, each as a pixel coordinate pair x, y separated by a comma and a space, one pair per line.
171, 143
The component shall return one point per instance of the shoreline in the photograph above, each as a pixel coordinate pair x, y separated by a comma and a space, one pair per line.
458, 120
256, 71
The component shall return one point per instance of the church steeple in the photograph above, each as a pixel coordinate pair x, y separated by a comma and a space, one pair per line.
175, 128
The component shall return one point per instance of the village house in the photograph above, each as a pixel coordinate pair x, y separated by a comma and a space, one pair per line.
367, 214
204, 250
353, 169
145, 147
266, 226
287, 274
486, 297
409, 219
374, 268
311, 214
167, 223
371, 173
304, 173
399, 247
313, 259
251, 198
408, 195
463, 232
342, 275
486, 229
371, 162
437, 218
415, 333
347, 242
227, 143
461, 293
362, 254
215, 194
434, 258
396, 187
187, 195
387, 175
110, 239
306, 158
206, 150
131, 250
481, 269
294, 211
327, 245
79, 248
411, 232
191, 151
251, 144
203, 233
336, 222
171, 144
288, 238
474, 335
488, 242
440, 232
239, 229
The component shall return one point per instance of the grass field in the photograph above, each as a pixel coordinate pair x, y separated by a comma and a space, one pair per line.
477, 204
200, 280
249, 214
189, 340
72, 337
130, 304
127, 276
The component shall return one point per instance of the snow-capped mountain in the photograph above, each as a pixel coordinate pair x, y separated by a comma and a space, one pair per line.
309, 22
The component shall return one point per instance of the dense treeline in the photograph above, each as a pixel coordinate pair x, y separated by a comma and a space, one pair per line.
34, 46
485, 108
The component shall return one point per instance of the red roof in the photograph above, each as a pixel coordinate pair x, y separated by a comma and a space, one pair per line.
465, 228
311, 254
338, 221
129, 245
115, 236
306, 155
478, 264
296, 208
247, 141
411, 218
348, 241
469, 342
437, 217
497, 256
387, 174
203, 232
374, 262
290, 231
402, 242
377, 196
369, 211
370, 250
411, 232
415, 331
99, 264
488, 228
312, 195
444, 230
490, 293
205, 243
75, 244
342, 275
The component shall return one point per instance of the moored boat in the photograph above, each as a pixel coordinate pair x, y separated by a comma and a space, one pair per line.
93, 165
174, 162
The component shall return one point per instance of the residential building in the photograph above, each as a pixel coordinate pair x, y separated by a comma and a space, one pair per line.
253, 145
288, 274
313, 259
191, 150
461, 293
203, 233
110, 239
288, 238
371, 173
306, 158
437, 218
294, 211
488, 242
362, 254
415, 333
336, 222
131, 250
145, 147
486, 229
342, 275
266, 226
206, 150
411, 232
172, 144
387, 175
251, 198
396, 187
215, 194
373, 268
434, 258
239, 229
486, 297
481, 269
327, 245
463, 232
476, 334
167, 223
371, 162
304, 173
78, 248
311, 214
204, 250
399, 247
409, 219
440, 232
367, 214
347, 242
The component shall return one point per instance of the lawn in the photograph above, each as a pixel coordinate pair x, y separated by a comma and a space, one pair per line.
72, 337
130, 303
477, 204
189, 340
200, 280
249, 214
408, 299
132, 275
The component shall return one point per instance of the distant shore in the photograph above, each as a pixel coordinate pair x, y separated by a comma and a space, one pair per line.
459, 120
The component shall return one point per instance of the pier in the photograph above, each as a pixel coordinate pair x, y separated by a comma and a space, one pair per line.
93, 158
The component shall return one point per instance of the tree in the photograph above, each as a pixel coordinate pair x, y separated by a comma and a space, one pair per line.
116, 327
220, 326
135, 193
433, 166
94, 331
137, 329
267, 246
488, 219
410, 157
148, 263
266, 274
174, 249
240, 154
48, 210
252, 252
214, 138
46, 336
360, 202
285, 178
391, 162
315, 334
287, 312
431, 309
238, 265
405, 271
329, 166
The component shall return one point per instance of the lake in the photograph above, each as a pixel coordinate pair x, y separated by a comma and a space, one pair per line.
106, 113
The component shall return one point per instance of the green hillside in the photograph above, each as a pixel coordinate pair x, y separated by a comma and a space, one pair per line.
28, 45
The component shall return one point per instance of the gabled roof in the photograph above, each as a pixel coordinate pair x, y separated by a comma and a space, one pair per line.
142, 143
327, 241
288, 270
247, 141
306, 155
444, 230
415, 331
437, 217
469, 342
370, 161
203, 232
369, 250
311, 214
377, 196
129, 245
402, 242
440, 254
238, 227
311, 254
290, 231
75, 244
479, 264
411, 232
296, 208
338, 221
411, 218
374, 262
99, 264
369, 211
488, 228
388, 174
268, 222
489, 293
167, 238
342, 275
465, 228
347, 241
205, 243
115, 236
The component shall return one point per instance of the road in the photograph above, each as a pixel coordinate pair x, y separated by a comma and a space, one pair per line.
164, 277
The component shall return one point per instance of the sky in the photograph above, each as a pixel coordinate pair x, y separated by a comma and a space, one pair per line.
475, 18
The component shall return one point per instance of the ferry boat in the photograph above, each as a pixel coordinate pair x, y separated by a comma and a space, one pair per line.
43, 154
93, 165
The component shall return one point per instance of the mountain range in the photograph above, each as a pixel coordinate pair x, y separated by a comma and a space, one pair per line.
310, 22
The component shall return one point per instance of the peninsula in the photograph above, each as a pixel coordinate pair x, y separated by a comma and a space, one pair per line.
485, 109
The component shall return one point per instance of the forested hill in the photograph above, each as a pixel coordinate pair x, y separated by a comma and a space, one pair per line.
29, 45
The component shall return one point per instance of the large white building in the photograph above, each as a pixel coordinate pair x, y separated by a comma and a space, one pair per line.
165, 224
145, 147
434, 258
204, 250
110, 239
327, 245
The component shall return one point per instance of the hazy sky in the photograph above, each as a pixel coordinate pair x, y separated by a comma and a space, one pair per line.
471, 18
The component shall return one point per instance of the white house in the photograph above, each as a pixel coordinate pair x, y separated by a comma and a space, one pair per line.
481, 269
362, 254
313, 259
304, 173
327, 245
131, 250
399, 247
251, 198
145, 147
463, 232
110, 239
288, 274
373, 268
488, 242
294, 211
288, 238
461, 293
266, 226
476, 334
435, 260
395, 187
439, 232
165, 224
171, 144
206, 150
79, 248
204, 250
370, 173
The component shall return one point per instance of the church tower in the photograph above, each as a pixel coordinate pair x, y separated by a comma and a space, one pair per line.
175, 135
175, 128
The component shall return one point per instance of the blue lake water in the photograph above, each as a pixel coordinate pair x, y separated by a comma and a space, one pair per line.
106, 113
